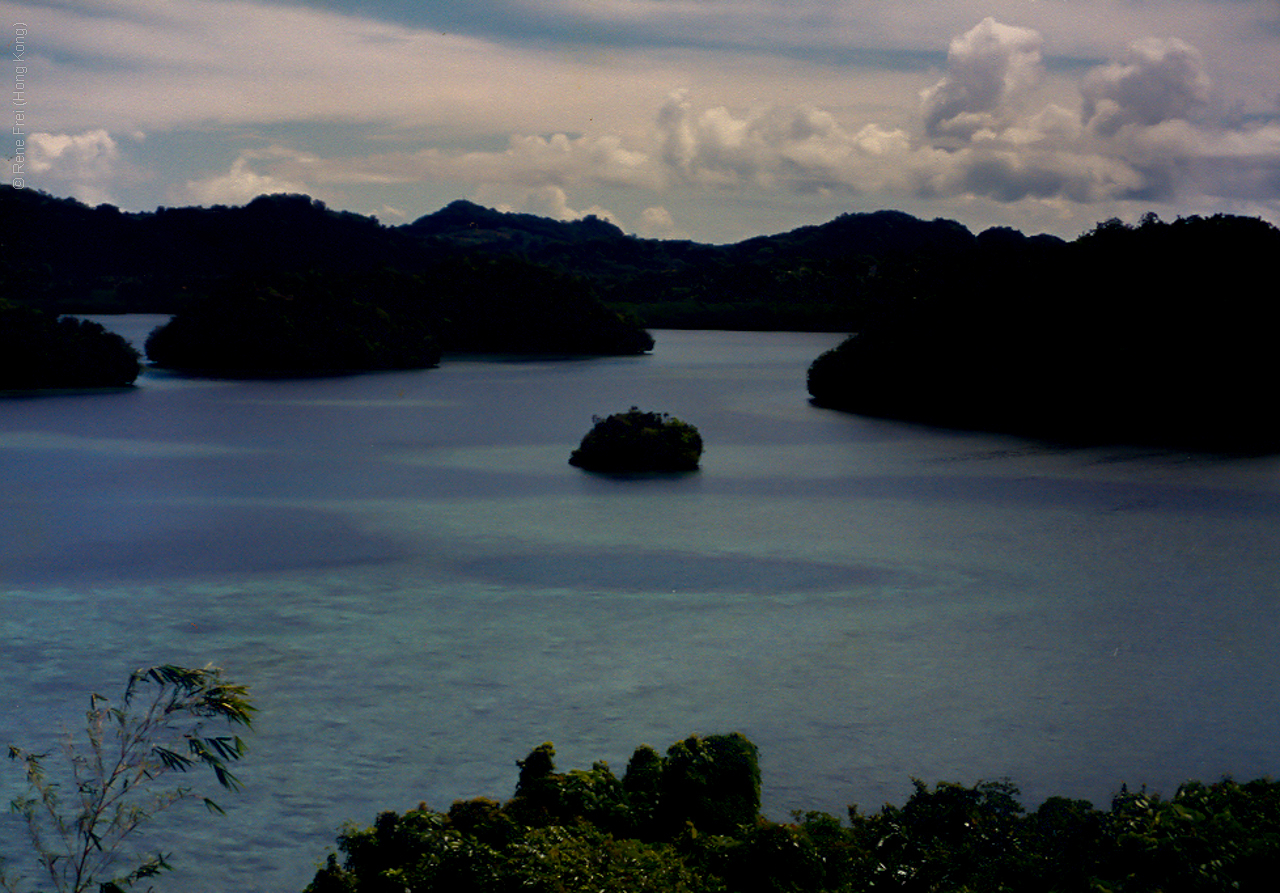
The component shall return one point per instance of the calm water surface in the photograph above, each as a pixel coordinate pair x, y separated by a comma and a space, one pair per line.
420, 589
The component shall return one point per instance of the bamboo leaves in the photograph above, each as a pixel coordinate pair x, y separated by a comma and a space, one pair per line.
117, 774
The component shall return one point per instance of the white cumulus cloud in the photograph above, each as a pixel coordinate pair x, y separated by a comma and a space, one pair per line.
988, 69
545, 201
799, 148
85, 163
657, 223
238, 185
82, 155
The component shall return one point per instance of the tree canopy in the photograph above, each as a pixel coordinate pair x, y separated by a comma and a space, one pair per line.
274, 325
639, 441
1159, 333
689, 822
39, 350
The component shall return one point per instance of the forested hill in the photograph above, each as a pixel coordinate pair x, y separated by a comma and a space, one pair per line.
269, 264
837, 276
1160, 333
60, 254
815, 278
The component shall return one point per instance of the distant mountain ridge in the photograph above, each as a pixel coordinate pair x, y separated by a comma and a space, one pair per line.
466, 221
61, 254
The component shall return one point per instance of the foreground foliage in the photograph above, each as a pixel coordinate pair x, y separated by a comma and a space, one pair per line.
639, 441
82, 817
40, 350
688, 822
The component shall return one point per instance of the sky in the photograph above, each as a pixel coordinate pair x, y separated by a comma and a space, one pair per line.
713, 120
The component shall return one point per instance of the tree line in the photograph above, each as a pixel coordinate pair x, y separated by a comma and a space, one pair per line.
684, 821
67, 257
41, 350
688, 821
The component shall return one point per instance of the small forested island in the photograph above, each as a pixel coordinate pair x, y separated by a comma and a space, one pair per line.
1160, 333
641, 441
39, 350
689, 822
308, 323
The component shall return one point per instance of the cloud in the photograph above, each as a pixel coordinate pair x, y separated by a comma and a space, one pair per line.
657, 223
73, 156
800, 148
1131, 139
529, 162
86, 163
241, 183
787, 110
545, 201
1009, 176
558, 159
1242, 165
156, 67
984, 130
1157, 81
988, 69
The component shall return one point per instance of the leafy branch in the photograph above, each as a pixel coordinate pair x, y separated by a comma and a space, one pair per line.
80, 824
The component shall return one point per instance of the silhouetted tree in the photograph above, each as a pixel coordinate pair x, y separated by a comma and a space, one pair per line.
39, 350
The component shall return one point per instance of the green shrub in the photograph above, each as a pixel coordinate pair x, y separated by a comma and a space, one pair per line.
642, 785
558, 859
950, 838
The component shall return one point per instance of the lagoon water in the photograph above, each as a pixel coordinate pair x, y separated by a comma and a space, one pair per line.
419, 589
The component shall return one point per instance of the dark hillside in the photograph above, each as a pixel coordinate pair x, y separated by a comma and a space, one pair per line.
813, 278
1159, 333
61, 256
64, 256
